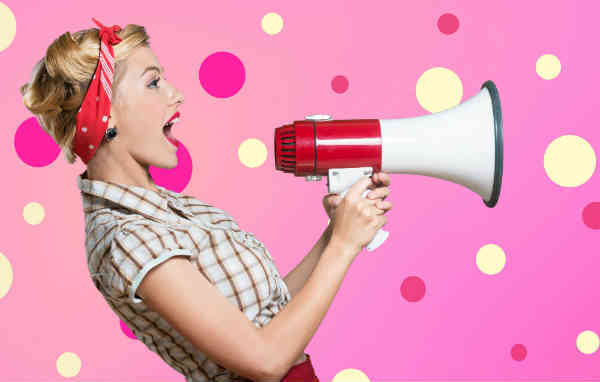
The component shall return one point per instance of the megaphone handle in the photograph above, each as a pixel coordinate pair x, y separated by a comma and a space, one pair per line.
379, 237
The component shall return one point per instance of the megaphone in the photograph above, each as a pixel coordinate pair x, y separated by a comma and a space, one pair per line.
462, 144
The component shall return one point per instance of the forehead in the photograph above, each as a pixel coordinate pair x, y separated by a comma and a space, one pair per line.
139, 60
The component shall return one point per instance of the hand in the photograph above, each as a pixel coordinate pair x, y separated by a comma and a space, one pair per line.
378, 195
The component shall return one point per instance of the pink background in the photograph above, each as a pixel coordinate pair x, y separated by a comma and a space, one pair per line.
467, 322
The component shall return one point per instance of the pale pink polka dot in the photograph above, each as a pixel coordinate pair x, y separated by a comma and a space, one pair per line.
518, 352
448, 23
339, 84
412, 288
125, 329
174, 179
222, 74
591, 215
33, 145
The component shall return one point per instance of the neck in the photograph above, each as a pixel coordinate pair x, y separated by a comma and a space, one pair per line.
123, 169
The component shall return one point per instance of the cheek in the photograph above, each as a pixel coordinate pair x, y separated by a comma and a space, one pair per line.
146, 118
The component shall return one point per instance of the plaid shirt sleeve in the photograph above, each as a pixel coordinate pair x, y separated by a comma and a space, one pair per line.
134, 252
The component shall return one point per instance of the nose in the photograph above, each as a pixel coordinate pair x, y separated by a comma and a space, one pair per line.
176, 95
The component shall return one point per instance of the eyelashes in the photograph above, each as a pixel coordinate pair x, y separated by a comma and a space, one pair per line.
156, 80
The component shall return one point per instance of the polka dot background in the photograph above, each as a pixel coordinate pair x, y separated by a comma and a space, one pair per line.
458, 290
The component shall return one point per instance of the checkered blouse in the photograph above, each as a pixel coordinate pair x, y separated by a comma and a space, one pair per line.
129, 230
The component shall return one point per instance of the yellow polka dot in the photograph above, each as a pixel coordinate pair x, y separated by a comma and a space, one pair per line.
33, 213
68, 364
252, 152
272, 23
569, 161
439, 89
8, 27
587, 342
490, 259
350, 375
548, 66
6, 275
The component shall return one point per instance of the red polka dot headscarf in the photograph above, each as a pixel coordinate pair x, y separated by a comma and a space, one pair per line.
92, 117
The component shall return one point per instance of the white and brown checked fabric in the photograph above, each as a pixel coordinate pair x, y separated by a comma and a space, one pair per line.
129, 230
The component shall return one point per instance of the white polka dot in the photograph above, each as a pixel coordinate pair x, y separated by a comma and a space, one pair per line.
84, 129
68, 364
94, 76
97, 98
91, 147
104, 119
588, 342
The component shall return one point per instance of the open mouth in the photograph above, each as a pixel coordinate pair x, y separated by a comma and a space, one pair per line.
167, 131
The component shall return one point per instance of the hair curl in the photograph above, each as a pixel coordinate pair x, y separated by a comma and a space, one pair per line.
60, 79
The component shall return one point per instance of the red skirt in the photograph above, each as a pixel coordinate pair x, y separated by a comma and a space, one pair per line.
302, 372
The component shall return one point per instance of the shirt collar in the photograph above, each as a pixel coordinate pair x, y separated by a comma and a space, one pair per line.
129, 196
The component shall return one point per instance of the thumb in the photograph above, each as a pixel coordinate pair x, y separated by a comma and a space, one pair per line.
359, 187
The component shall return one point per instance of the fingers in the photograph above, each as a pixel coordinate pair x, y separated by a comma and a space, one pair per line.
382, 177
378, 193
359, 187
381, 207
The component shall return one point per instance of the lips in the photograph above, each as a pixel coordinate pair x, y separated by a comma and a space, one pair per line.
167, 130
176, 115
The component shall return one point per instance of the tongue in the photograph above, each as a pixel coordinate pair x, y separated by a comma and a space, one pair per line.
169, 135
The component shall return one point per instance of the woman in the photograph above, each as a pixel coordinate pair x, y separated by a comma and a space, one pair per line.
197, 290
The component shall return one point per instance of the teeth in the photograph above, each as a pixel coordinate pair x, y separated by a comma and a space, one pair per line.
169, 124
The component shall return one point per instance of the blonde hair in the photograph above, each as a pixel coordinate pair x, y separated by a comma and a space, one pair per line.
60, 79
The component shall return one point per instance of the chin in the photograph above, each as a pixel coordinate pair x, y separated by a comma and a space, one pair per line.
171, 164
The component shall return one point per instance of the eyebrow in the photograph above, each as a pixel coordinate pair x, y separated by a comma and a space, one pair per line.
152, 67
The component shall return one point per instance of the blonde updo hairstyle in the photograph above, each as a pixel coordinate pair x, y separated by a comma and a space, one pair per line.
60, 79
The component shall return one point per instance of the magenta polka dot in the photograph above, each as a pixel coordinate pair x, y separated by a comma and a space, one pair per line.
125, 329
222, 74
448, 23
518, 352
591, 215
174, 179
35, 146
339, 84
412, 288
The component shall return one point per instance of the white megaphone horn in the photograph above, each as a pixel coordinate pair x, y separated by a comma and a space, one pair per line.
463, 145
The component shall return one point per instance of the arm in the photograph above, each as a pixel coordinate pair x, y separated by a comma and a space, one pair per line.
297, 277
288, 333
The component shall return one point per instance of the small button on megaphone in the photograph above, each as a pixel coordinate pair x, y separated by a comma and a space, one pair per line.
462, 145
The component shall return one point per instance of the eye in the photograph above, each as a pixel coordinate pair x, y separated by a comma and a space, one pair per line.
155, 81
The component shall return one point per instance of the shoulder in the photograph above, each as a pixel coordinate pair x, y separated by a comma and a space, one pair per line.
149, 238
208, 213
135, 249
